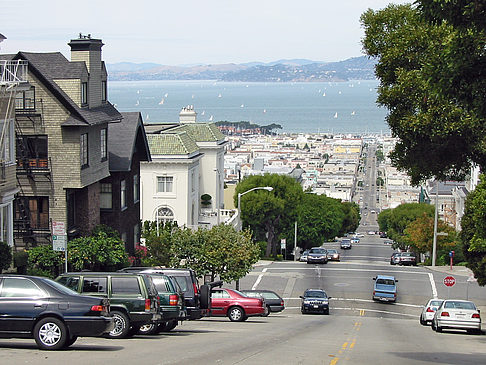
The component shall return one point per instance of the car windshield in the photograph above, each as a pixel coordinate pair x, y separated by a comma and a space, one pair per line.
408, 254
435, 303
315, 294
385, 281
459, 305
332, 251
317, 250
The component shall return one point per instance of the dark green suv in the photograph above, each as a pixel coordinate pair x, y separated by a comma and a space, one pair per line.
134, 300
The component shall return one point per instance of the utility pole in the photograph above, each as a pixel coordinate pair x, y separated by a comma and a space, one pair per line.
434, 244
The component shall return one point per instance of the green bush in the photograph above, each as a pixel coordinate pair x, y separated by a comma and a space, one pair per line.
44, 261
279, 257
20, 260
5, 256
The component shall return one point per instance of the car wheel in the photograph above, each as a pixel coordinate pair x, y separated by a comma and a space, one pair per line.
438, 329
422, 322
70, 341
122, 325
167, 326
266, 311
236, 314
474, 331
326, 311
148, 329
50, 334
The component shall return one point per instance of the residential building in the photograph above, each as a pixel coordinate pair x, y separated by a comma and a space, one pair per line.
62, 136
120, 197
13, 80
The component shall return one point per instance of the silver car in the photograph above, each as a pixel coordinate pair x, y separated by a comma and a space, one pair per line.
429, 310
457, 314
303, 257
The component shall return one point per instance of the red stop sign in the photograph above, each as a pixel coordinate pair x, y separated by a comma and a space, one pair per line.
449, 281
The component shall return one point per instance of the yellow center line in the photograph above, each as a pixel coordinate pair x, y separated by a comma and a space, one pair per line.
352, 343
345, 345
334, 361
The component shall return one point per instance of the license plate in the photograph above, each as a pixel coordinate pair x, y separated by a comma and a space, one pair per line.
316, 306
460, 315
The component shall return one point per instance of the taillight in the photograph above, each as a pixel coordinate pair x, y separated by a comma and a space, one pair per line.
476, 315
148, 303
430, 310
374, 293
98, 308
196, 291
282, 303
173, 299
158, 301
445, 314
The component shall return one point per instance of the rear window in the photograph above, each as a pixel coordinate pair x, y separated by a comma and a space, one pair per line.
161, 283
435, 303
184, 284
460, 305
95, 285
385, 281
269, 295
125, 285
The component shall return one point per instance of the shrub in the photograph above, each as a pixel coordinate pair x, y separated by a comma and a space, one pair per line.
5, 256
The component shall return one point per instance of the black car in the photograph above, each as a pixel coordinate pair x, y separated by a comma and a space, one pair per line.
134, 301
273, 302
346, 244
317, 255
55, 316
315, 301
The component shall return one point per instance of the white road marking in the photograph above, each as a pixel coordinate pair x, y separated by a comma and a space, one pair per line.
432, 283
259, 279
344, 269
366, 301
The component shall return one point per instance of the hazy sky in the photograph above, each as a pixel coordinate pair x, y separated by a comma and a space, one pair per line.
176, 32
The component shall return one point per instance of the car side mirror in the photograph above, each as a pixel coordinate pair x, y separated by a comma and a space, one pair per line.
479, 310
396, 281
329, 297
301, 297
374, 278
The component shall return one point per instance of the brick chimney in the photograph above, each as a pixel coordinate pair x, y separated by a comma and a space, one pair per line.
88, 50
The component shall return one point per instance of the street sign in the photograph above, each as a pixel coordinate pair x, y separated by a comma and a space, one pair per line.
449, 281
283, 243
58, 228
59, 243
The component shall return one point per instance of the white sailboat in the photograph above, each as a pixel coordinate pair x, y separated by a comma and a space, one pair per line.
242, 105
335, 115
138, 103
211, 118
203, 112
219, 96
166, 95
324, 94
353, 112
162, 101
264, 110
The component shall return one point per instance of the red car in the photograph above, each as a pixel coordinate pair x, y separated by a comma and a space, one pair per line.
234, 304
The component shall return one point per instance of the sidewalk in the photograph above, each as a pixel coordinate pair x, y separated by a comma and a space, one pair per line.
456, 270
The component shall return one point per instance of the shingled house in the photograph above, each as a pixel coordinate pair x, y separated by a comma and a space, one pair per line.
62, 141
120, 192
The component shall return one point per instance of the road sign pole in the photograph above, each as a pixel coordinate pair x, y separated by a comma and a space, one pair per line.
65, 259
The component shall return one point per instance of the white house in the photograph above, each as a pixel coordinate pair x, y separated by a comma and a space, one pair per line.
187, 163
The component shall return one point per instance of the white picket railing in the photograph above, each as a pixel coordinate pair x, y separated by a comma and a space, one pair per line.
13, 72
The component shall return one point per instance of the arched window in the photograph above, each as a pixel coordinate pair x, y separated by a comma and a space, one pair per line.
164, 215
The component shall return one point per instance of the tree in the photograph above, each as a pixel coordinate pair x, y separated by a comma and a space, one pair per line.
473, 233
158, 241
268, 214
383, 219
5, 256
319, 218
351, 217
432, 81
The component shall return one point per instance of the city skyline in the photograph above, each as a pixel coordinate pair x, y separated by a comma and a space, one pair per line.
191, 32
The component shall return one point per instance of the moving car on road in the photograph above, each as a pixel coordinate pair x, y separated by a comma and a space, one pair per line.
273, 302
333, 255
406, 258
385, 288
40, 308
235, 305
317, 255
303, 257
346, 244
457, 314
393, 258
315, 300
429, 310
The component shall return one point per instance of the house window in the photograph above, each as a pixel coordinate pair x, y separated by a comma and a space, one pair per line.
104, 144
106, 201
164, 184
136, 233
164, 215
104, 91
6, 224
34, 210
123, 194
25, 100
84, 93
136, 189
32, 151
7, 152
84, 150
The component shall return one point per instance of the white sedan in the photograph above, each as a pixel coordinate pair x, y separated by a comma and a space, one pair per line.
429, 310
457, 314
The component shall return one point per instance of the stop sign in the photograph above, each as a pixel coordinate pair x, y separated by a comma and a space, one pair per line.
449, 281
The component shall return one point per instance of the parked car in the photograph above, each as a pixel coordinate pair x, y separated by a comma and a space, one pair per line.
273, 302
457, 314
393, 258
346, 244
388, 242
315, 300
333, 255
196, 298
355, 240
383, 235
406, 258
55, 316
385, 288
303, 257
134, 300
429, 310
317, 255
235, 305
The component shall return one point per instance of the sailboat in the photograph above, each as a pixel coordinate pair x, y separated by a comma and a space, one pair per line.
242, 105
324, 94
335, 115
211, 118
264, 110
162, 101
166, 95
353, 112
219, 96
138, 103
203, 112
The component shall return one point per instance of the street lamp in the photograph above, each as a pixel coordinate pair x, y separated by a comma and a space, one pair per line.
267, 188
218, 192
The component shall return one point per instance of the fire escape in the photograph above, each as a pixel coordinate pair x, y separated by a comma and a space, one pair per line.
34, 177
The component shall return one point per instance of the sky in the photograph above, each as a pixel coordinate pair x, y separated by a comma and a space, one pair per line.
183, 32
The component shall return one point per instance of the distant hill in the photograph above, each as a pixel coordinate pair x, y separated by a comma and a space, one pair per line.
294, 70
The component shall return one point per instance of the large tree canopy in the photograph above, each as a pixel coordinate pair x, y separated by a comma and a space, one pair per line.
432, 80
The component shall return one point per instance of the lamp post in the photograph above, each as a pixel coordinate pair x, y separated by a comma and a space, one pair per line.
218, 193
240, 223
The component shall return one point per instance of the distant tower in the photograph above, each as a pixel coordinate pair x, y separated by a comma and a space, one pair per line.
187, 115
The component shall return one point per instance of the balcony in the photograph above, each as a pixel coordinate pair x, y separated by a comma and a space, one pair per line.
13, 73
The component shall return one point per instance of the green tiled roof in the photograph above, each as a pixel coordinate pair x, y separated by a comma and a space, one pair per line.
202, 132
178, 143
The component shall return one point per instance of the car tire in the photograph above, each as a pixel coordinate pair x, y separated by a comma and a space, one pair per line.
236, 314
122, 325
266, 312
167, 326
70, 341
326, 312
422, 322
474, 331
148, 329
50, 334
205, 297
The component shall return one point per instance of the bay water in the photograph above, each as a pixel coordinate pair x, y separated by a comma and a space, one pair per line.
311, 107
